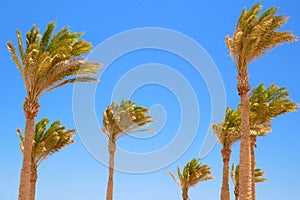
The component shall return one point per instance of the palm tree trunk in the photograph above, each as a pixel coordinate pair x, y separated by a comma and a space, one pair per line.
253, 144
185, 195
225, 192
30, 110
236, 192
245, 178
111, 150
33, 180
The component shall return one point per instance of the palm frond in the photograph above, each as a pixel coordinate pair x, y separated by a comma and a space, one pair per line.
47, 35
174, 177
14, 56
47, 141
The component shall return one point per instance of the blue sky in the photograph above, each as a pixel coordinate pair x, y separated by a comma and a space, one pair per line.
76, 174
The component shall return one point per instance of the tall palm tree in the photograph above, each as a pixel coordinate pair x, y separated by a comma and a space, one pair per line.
120, 120
227, 133
265, 105
255, 34
47, 141
193, 173
47, 61
258, 178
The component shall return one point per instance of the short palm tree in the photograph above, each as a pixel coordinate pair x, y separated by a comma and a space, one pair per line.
258, 178
227, 133
120, 120
47, 61
47, 141
193, 173
255, 34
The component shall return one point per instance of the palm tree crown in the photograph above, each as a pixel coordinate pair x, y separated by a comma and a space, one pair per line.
193, 173
47, 141
51, 60
258, 175
267, 104
256, 34
228, 131
123, 119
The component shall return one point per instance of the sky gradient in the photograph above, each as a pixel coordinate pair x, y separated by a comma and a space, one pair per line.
74, 173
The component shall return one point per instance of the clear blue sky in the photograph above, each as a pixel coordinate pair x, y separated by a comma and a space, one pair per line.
73, 173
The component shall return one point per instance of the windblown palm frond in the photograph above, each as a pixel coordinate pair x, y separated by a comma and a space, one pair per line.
269, 103
228, 131
47, 140
123, 119
193, 173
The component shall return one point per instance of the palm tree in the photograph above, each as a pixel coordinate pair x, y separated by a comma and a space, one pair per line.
48, 61
258, 178
47, 141
265, 105
120, 120
193, 173
227, 133
255, 34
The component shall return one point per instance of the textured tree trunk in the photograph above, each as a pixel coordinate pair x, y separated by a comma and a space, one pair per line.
245, 178
253, 144
185, 195
225, 192
33, 180
236, 192
111, 150
31, 110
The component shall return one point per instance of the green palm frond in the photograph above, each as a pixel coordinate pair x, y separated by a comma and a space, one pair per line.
268, 103
48, 140
228, 131
193, 173
256, 34
126, 118
51, 60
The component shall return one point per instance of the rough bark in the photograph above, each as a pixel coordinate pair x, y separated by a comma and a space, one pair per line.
245, 177
112, 151
236, 192
33, 180
225, 192
30, 110
253, 144
185, 195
